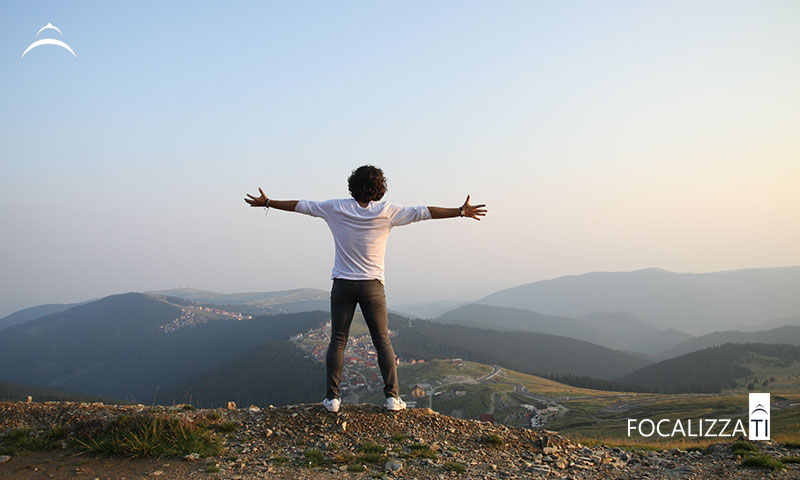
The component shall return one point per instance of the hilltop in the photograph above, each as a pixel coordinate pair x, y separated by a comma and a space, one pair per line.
362, 441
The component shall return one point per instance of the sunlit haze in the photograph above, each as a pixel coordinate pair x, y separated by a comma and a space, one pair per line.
601, 135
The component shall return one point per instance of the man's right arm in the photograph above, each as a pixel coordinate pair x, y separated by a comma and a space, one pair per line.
288, 205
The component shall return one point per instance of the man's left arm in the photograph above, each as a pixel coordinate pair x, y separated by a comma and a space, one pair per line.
466, 210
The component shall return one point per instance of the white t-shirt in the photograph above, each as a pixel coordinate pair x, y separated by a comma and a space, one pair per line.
360, 233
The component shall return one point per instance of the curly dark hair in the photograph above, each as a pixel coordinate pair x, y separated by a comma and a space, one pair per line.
367, 183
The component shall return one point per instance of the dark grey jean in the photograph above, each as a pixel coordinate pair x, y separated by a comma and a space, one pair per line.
370, 296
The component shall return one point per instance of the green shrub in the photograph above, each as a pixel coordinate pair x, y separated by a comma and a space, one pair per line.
744, 448
421, 450
762, 461
344, 457
454, 467
58, 432
228, 426
150, 435
314, 457
370, 447
23, 441
371, 458
493, 439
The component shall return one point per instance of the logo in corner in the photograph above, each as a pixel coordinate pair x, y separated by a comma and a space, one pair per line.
49, 41
759, 416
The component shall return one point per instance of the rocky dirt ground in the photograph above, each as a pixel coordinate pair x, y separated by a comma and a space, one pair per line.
362, 441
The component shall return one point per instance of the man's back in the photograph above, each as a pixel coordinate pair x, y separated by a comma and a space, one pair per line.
360, 233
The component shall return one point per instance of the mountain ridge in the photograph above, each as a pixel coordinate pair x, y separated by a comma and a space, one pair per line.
616, 330
695, 303
788, 334
116, 347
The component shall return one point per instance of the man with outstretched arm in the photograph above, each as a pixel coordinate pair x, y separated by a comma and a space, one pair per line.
360, 227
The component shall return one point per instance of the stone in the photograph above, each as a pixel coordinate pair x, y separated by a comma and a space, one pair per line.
254, 409
680, 470
192, 457
540, 469
231, 405
157, 473
268, 433
4, 458
393, 465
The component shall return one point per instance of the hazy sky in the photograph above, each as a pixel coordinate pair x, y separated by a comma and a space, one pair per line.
602, 136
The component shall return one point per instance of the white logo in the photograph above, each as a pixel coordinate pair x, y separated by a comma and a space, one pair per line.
698, 427
49, 41
759, 416
709, 427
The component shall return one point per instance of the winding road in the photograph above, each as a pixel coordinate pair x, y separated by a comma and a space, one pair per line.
497, 371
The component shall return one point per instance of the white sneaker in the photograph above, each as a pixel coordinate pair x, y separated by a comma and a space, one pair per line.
395, 404
331, 405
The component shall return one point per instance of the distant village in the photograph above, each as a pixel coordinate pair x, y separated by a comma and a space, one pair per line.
196, 315
360, 373
361, 376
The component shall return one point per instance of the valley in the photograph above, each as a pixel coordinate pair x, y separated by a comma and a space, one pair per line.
584, 376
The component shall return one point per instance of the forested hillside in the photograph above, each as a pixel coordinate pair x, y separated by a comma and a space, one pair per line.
276, 373
523, 351
710, 370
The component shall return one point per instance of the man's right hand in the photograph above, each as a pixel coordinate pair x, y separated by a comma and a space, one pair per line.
257, 201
